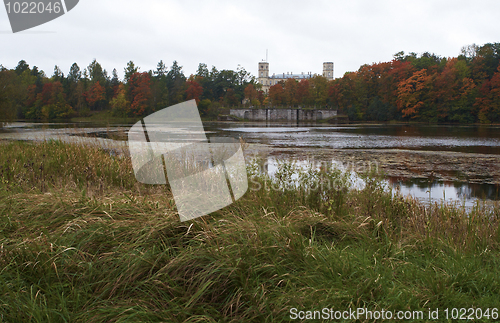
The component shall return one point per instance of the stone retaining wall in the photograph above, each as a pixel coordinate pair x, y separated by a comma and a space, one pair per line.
282, 114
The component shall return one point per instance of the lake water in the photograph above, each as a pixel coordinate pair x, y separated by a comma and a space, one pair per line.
291, 141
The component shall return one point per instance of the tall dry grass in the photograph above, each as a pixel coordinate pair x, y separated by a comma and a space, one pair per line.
82, 241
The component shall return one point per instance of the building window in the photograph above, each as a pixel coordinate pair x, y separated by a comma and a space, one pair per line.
328, 73
261, 74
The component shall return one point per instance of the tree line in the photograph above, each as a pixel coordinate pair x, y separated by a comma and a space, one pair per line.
425, 88
27, 93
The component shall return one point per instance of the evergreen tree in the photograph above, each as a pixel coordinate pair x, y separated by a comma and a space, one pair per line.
130, 70
161, 70
175, 81
97, 73
58, 74
21, 67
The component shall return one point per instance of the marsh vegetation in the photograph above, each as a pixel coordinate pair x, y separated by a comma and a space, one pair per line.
82, 241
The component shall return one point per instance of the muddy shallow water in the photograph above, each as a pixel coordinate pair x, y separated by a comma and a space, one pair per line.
458, 163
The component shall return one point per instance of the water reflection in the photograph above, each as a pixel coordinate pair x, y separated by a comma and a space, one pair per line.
434, 190
425, 190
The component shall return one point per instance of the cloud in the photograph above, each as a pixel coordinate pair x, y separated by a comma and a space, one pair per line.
299, 36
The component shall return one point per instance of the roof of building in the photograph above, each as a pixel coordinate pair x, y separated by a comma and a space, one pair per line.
291, 76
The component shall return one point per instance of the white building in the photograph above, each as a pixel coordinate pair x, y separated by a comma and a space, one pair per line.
268, 81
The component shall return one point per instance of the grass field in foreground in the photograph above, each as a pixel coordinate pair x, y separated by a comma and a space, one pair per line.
82, 241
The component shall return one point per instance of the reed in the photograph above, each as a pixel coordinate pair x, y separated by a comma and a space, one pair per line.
82, 241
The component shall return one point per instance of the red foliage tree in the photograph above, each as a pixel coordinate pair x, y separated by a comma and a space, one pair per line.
140, 93
31, 95
95, 94
52, 102
52, 93
194, 90
488, 103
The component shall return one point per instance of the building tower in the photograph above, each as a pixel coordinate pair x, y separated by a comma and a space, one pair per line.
328, 70
263, 76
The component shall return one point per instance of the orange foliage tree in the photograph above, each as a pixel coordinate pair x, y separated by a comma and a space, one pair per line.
411, 93
251, 94
276, 94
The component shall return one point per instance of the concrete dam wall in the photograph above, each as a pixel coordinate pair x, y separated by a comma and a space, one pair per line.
282, 114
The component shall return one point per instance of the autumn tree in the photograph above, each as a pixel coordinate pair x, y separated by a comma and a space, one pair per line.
252, 95
193, 90
231, 98
424, 87
494, 112
449, 95
119, 104
488, 102
276, 94
411, 94
302, 94
51, 102
290, 92
95, 96
139, 94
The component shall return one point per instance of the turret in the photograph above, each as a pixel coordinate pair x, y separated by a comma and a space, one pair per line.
328, 70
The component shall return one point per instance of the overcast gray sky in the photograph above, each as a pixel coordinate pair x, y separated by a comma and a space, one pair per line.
300, 35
